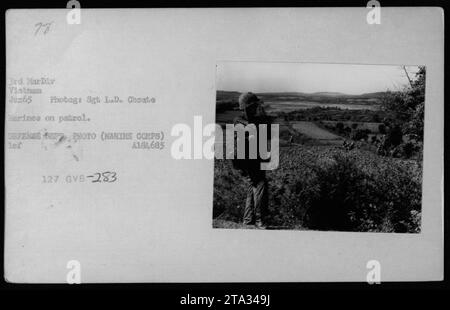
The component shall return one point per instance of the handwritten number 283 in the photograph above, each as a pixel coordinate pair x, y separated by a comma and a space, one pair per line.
105, 177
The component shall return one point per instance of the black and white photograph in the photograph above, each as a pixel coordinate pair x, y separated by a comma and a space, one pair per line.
350, 147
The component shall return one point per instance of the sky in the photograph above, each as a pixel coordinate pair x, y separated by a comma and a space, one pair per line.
352, 79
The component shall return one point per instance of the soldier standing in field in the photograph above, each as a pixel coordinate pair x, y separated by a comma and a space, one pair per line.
256, 203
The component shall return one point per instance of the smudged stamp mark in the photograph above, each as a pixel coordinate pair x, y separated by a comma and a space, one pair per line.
60, 139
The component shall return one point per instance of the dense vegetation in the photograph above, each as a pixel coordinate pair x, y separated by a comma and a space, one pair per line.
330, 189
337, 114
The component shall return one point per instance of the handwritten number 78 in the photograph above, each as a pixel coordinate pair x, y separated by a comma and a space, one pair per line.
42, 28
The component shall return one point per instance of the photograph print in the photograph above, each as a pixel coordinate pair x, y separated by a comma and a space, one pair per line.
345, 143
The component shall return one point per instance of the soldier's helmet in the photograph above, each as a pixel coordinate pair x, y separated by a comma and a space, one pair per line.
247, 99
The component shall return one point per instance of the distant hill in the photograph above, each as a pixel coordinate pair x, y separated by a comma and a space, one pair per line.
324, 95
378, 95
329, 94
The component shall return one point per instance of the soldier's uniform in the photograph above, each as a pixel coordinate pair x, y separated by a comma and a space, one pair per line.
257, 190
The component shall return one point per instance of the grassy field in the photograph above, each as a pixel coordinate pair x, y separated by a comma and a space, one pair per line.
372, 126
315, 132
288, 106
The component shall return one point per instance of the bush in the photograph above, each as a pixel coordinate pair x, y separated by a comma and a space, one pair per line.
336, 183
229, 192
360, 134
395, 135
410, 149
340, 127
408, 105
